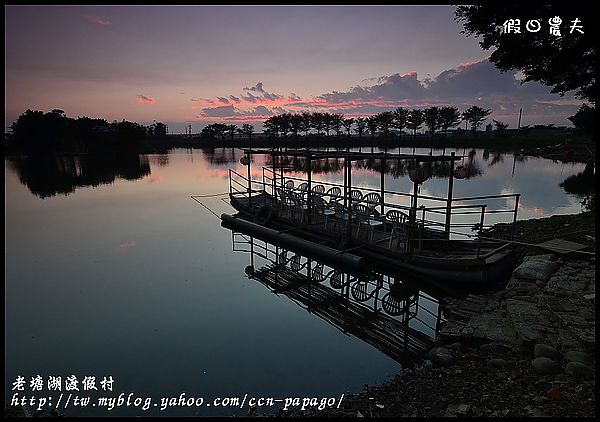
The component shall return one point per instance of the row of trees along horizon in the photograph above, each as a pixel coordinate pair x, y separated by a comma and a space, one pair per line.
39, 132
433, 118
387, 123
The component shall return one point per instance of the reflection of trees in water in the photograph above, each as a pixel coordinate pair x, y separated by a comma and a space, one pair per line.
581, 183
471, 165
394, 167
496, 158
46, 176
439, 169
299, 164
219, 155
521, 158
161, 160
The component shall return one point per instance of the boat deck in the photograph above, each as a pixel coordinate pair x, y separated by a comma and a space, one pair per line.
337, 234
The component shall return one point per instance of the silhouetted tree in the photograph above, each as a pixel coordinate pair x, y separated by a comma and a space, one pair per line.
272, 126
585, 119
347, 123
247, 129
327, 122
500, 126
215, 130
372, 125
566, 62
232, 129
400, 119
337, 122
157, 130
415, 120
431, 116
318, 121
449, 117
285, 123
476, 115
296, 122
361, 125
466, 116
306, 123
129, 132
385, 119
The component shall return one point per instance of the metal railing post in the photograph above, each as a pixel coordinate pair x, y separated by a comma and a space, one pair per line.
515, 216
480, 229
449, 199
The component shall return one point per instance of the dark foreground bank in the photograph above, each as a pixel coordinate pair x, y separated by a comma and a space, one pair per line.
531, 371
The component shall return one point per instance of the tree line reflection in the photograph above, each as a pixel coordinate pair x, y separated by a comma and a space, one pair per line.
49, 175
579, 184
397, 168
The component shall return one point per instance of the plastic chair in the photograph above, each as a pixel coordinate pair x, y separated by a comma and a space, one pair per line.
321, 207
334, 194
319, 189
398, 220
341, 214
356, 195
364, 215
372, 199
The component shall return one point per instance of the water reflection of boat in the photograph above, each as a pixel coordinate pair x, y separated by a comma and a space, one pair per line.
378, 308
427, 239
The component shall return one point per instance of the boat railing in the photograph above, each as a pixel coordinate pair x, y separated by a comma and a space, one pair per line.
457, 219
270, 175
448, 218
241, 186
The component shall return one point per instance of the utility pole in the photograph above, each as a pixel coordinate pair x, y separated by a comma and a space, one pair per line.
520, 111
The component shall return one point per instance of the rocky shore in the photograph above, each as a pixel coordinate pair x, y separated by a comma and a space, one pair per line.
525, 349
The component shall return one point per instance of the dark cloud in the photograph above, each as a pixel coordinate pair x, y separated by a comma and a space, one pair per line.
256, 88
477, 83
223, 100
221, 111
234, 98
394, 87
261, 111
251, 98
262, 94
271, 97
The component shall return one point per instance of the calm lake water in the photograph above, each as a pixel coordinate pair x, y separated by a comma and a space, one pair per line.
113, 270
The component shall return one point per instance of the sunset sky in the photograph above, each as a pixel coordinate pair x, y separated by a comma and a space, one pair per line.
202, 64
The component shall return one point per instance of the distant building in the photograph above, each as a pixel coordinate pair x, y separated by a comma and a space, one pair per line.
488, 128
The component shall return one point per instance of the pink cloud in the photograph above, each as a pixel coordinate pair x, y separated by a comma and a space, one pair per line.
97, 20
466, 65
142, 99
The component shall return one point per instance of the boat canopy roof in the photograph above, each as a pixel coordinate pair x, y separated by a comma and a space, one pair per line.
352, 155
